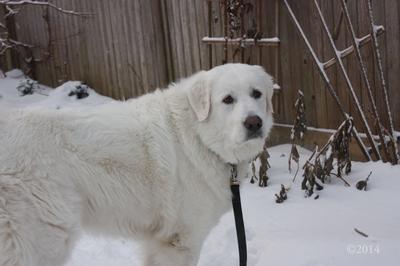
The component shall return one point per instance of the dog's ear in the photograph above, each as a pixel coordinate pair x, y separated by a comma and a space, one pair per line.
199, 96
269, 83
270, 93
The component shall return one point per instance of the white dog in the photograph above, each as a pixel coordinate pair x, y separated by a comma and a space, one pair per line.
155, 168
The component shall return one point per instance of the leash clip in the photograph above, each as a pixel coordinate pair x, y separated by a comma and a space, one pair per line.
234, 179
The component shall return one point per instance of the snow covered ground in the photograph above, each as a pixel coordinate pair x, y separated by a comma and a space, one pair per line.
301, 231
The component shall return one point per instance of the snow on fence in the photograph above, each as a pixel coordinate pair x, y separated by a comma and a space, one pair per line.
128, 48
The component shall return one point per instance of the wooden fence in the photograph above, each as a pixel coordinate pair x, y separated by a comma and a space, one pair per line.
129, 47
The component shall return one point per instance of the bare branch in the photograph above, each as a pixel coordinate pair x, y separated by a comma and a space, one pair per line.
12, 8
11, 11
9, 3
17, 43
6, 44
4, 47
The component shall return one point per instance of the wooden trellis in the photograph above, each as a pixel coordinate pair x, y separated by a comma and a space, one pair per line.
338, 56
235, 35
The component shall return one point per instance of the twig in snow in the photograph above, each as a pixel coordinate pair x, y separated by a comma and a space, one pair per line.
362, 184
297, 170
361, 233
341, 177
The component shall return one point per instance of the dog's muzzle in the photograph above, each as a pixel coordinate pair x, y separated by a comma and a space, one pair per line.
253, 124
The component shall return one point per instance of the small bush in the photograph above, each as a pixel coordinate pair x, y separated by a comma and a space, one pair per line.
81, 91
28, 86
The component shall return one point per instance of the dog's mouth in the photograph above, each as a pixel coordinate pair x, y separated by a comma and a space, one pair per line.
254, 135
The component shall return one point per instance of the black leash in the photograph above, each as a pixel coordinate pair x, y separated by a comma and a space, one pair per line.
237, 210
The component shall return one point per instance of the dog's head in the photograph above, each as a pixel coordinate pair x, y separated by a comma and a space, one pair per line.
233, 107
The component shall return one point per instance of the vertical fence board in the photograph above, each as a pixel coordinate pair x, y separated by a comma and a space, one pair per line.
320, 92
392, 40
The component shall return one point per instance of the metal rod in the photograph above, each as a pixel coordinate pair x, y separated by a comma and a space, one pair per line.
258, 30
327, 81
242, 33
381, 76
226, 22
277, 52
209, 8
348, 83
349, 50
336, 30
363, 70
242, 41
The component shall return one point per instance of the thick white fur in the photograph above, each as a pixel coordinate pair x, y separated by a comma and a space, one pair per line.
154, 168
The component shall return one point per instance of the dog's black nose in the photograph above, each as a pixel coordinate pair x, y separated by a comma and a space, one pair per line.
253, 123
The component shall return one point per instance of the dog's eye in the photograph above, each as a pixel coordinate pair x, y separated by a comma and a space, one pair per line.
228, 99
256, 94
